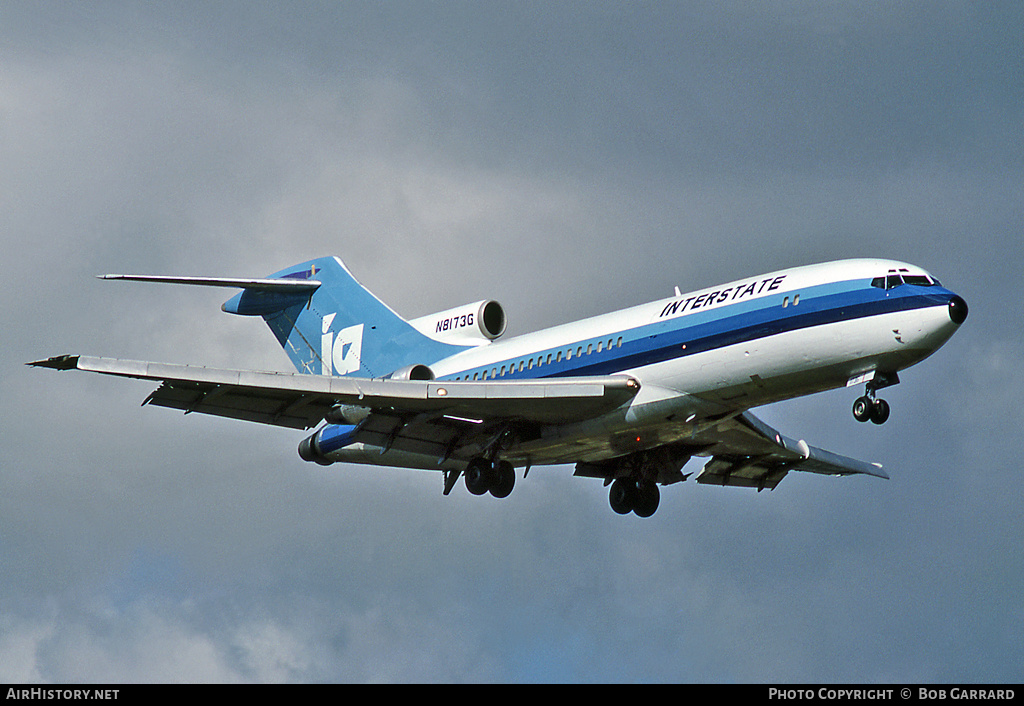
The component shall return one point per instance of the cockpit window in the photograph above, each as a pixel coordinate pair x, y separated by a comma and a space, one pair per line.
919, 280
895, 279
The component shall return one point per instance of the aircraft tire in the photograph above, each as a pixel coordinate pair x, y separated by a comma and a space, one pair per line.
647, 499
862, 409
622, 496
478, 476
504, 479
879, 411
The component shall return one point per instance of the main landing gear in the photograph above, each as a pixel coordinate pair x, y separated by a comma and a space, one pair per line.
628, 495
483, 475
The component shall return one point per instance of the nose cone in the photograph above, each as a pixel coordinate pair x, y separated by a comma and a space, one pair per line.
957, 310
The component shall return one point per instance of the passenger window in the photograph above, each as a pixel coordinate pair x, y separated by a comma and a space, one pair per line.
878, 282
893, 281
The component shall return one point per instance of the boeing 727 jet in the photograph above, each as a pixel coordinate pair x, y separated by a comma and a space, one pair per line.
628, 397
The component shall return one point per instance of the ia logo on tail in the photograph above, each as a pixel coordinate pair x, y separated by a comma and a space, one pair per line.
342, 351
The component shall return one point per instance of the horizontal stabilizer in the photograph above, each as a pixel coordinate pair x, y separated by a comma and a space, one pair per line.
268, 285
324, 319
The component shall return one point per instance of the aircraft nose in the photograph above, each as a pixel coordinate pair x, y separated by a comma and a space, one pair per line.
957, 310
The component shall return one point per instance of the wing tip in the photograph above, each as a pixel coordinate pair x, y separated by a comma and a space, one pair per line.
57, 362
879, 472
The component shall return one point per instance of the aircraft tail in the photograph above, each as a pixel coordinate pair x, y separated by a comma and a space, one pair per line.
327, 322
330, 324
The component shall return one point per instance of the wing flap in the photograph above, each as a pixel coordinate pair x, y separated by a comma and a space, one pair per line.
287, 409
742, 472
429, 435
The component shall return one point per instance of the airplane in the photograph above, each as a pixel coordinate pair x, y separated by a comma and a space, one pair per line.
629, 397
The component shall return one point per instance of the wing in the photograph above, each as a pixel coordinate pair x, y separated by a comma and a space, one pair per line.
439, 417
395, 408
747, 452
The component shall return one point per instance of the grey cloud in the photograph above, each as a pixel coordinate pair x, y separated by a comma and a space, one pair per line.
566, 160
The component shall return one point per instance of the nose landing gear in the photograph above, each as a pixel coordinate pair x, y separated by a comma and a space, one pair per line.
868, 407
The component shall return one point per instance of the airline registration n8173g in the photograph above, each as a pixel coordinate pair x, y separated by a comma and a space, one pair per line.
628, 397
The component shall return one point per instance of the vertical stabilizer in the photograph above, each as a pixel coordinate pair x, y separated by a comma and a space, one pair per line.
340, 328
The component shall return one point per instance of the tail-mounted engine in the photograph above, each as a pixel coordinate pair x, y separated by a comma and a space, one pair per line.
417, 371
467, 325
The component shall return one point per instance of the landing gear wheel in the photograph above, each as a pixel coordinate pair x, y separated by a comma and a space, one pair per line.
622, 496
879, 411
648, 497
863, 408
478, 476
504, 479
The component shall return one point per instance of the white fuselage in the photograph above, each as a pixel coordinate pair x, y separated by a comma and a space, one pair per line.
717, 350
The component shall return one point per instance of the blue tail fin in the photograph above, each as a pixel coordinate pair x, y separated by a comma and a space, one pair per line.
339, 329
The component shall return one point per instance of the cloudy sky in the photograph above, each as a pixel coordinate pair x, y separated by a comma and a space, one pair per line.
566, 159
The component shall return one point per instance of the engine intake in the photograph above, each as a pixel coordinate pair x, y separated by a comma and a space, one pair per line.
469, 324
412, 372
